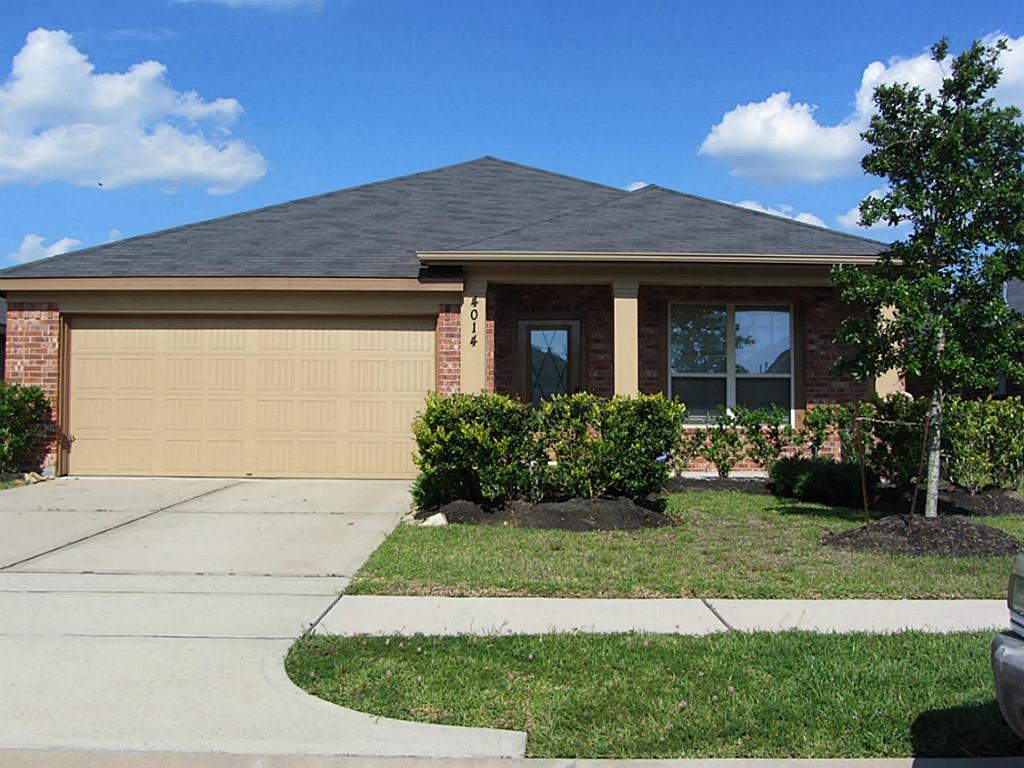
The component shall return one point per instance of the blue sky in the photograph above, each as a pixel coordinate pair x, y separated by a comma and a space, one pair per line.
257, 102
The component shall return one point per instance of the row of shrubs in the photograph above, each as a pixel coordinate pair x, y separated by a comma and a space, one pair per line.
982, 439
489, 448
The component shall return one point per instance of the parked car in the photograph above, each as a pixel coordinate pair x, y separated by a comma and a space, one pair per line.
1008, 653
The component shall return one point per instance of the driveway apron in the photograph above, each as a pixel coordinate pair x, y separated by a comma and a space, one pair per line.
154, 614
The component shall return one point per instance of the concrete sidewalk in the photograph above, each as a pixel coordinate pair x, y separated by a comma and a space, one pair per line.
380, 615
81, 759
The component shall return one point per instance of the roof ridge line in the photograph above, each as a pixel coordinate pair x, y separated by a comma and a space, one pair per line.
819, 227
535, 222
526, 167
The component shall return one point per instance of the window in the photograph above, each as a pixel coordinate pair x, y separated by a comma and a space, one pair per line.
727, 355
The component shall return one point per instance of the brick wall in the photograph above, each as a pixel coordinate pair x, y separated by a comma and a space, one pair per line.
449, 344
592, 304
33, 359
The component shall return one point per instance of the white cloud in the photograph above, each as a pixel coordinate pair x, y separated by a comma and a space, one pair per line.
778, 140
259, 3
62, 121
851, 220
785, 211
633, 186
32, 247
114, 235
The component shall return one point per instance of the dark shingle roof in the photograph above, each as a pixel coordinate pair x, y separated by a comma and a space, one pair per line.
367, 231
658, 220
376, 229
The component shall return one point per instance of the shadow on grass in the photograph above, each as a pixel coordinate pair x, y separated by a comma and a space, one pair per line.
973, 730
785, 507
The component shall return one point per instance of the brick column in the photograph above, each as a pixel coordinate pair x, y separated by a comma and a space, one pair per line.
449, 363
33, 359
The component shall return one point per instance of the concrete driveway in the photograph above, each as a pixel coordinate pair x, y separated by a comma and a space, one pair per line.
154, 614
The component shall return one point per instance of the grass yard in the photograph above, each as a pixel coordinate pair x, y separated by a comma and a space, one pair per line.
5, 484
793, 695
727, 544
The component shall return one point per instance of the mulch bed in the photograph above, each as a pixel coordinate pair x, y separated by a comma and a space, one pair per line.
945, 536
743, 484
570, 515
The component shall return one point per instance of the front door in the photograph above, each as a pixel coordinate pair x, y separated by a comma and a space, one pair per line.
549, 359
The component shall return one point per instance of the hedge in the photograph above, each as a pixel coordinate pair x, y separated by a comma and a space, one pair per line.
490, 448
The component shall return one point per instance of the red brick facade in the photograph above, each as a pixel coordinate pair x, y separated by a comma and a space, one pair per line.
449, 348
33, 359
590, 304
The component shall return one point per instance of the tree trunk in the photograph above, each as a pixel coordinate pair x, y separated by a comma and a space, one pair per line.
931, 497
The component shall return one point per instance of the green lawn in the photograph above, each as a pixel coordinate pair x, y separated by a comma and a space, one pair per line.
796, 695
727, 544
5, 484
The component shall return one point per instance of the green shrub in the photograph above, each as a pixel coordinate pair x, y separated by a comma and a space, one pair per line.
784, 475
477, 447
969, 430
572, 429
818, 480
767, 433
1007, 442
645, 435
722, 443
819, 422
898, 430
490, 448
621, 446
846, 416
24, 412
983, 442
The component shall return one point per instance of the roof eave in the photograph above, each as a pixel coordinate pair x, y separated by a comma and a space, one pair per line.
445, 285
428, 258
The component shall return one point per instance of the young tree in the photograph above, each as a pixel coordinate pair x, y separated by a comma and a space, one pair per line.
953, 163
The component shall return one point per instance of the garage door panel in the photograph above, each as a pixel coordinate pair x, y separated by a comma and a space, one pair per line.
330, 397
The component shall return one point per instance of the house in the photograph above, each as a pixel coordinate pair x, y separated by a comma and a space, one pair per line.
299, 340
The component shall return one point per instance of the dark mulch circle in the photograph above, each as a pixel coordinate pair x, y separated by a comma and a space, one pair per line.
984, 504
992, 502
570, 515
741, 484
945, 536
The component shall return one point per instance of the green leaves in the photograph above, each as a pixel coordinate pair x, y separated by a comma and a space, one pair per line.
953, 164
491, 448
24, 411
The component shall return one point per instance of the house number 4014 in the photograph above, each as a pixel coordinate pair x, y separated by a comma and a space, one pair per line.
474, 314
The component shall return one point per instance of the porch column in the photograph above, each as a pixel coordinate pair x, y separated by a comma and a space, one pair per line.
627, 330
473, 324
891, 381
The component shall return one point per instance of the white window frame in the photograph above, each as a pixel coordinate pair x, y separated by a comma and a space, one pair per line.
730, 374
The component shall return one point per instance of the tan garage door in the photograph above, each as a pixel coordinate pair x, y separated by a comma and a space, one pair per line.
247, 397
